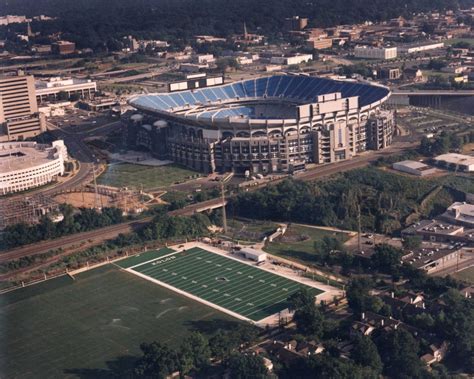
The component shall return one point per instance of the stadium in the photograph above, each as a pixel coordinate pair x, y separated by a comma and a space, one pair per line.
268, 124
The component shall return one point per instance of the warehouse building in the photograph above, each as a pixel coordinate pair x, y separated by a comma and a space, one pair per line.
456, 162
414, 168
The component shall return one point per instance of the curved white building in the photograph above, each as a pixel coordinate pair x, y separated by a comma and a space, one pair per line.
25, 165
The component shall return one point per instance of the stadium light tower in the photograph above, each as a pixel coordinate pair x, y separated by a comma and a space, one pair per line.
224, 180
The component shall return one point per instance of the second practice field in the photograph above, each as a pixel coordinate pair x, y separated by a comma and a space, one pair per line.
246, 290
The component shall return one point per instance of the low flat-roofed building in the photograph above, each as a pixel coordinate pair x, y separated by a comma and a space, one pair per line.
414, 168
418, 47
440, 231
431, 259
455, 161
254, 255
49, 89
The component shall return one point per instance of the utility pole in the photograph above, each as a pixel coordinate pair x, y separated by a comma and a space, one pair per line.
359, 228
95, 186
224, 215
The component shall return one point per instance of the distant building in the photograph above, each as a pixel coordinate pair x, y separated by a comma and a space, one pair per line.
414, 168
292, 60
295, 23
454, 161
11, 19
390, 73
370, 52
319, 44
460, 214
49, 89
63, 47
19, 117
419, 47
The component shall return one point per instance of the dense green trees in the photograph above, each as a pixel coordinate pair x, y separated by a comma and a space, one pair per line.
194, 353
384, 199
365, 353
442, 144
325, 366
385, 258
95, 24
399, 352
308, 318
246, 366
74, 221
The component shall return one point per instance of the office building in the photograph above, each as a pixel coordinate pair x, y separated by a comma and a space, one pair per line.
19, 117
49, 89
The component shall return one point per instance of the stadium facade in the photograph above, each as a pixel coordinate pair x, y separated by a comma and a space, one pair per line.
264, 125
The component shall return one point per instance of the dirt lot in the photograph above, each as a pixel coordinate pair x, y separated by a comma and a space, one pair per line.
84, 199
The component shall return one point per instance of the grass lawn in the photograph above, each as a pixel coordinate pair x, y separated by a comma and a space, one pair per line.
249, 230
466, 275
243, 289
86, 327
456, 40
298, 243
131, 175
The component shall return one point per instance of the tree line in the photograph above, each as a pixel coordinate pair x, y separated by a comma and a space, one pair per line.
74, 221
383, 199
95, 24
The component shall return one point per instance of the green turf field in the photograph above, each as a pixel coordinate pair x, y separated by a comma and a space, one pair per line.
144, 257
246, 290
84, 328
138, 176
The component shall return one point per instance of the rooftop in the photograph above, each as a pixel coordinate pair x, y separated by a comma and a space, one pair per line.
20, 156
456, 158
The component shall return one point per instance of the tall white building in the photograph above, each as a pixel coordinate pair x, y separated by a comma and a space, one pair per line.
19, 117
371, 52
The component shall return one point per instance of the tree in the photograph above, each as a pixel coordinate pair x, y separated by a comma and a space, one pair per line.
399, 353
412, 242
243, 366
365, 353
358, 294
158, 361
196, 347
308, 318
385, 258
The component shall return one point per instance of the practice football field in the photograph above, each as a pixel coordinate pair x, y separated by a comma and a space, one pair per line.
246, 290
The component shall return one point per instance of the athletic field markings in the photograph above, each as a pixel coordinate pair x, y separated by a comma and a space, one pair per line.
222, 281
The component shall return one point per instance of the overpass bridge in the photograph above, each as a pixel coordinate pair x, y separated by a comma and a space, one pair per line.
199, 207
427, 98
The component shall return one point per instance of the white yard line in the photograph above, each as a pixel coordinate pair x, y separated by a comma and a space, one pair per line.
196, 298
